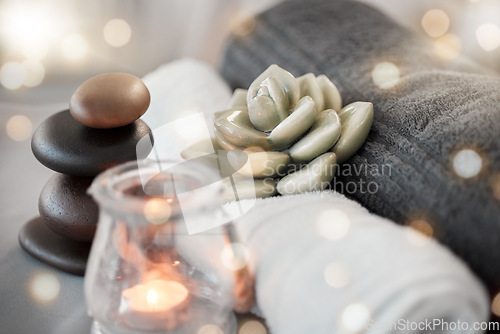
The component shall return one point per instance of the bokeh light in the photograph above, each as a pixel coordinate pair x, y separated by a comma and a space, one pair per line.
435, 22
157, 211
337, 274
234, 256
210, 329
36, 50
12, 75
117, 33
193, 127
242, 23
28, 28
19, 128
44, 287
34, 73
420, 232
385, 75
74, 47
467, 163
495, 305
488, 36
356, 317
423, 227
447, 47
496, 186
252, 327
333, 224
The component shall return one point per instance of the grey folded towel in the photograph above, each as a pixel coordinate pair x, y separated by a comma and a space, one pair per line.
436, 109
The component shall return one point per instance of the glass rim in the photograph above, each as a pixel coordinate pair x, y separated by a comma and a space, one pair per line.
103, 188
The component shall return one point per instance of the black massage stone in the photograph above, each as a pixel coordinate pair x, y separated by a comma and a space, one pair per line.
66, 146
50, 248
66, 208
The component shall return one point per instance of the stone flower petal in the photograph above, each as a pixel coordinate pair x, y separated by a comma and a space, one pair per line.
260, 164
294, 126
321, 137
248, 189
234, 127
267, 104
239, 98
356, 119
286, 79
199, 149
223, 143
309, 87
331, 94
315, 176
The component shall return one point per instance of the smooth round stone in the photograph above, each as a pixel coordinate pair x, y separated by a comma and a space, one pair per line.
66, 208
234, 128
284, 77
267, 104
309, 87
259, 164
331, 94
295, 125
239, 98
242, 189
58, 252
66, 146
321, 137
356, 119
314, 176
110, 100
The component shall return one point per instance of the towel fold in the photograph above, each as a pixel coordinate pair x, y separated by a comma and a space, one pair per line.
433, 152
324, 264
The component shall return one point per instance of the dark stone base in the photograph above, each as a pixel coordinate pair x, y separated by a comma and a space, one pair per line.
67, 209
50, 248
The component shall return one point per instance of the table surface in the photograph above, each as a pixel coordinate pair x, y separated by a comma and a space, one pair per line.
29, 299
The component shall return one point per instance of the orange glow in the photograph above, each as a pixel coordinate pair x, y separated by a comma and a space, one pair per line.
435, 22
44, 287
117, 33
447, 47
423, 227
495, 305
19, 128
242, 23
155, 296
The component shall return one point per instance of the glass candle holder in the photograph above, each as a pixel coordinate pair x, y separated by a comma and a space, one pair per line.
136, 280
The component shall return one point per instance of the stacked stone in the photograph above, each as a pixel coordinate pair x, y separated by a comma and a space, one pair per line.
100, 130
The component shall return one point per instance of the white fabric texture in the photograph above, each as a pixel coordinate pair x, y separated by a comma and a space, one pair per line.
379, 270
184, 95
323, 263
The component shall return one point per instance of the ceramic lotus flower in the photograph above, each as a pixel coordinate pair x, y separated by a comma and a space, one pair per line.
293, 131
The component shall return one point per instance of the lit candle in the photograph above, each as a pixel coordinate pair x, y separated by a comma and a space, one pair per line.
155, 305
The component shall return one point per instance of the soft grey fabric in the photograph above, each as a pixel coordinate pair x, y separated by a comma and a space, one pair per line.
436, 109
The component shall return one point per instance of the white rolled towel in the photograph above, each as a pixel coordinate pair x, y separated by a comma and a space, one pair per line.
324, 264
184, 96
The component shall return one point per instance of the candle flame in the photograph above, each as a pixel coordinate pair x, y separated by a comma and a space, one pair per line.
155, 296
152, 297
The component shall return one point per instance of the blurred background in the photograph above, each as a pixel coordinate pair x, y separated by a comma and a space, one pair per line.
48, 47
